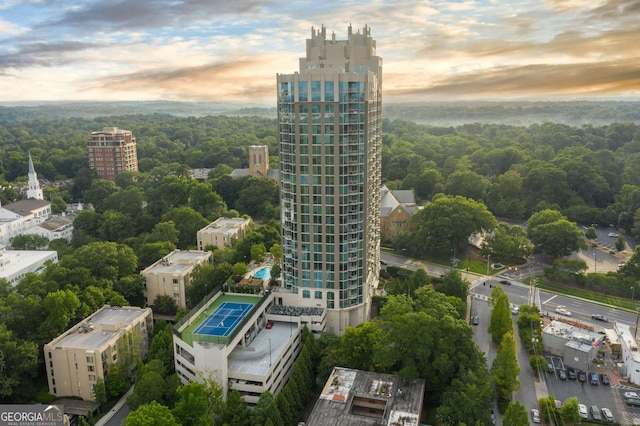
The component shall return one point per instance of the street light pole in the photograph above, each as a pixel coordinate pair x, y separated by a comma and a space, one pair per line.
595, 264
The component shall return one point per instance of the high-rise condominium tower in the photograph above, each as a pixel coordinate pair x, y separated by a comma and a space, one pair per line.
329, 121
112, 151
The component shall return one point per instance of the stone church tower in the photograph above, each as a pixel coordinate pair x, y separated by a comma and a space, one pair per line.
258, 160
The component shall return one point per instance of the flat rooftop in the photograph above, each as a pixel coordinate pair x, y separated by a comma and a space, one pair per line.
226, 224
176, 262
265, 348
570, 332
99, 328
364, 398
18, 260
187, 334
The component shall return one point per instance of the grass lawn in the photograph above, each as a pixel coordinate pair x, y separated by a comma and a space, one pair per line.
588, 295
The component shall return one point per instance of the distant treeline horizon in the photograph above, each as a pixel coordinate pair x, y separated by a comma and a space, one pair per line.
517, 113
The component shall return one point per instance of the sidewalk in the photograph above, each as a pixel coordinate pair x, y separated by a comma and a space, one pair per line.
123, 400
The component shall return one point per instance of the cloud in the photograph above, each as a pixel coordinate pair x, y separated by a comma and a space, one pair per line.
141, 14
222, 80
42, 54
532, 80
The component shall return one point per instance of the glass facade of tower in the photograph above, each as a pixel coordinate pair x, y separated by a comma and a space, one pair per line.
329, 119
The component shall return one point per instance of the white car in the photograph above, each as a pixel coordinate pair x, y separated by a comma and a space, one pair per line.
608, 415
515, 311
562, 311
535, 415
582, 409
631, 395
614, 235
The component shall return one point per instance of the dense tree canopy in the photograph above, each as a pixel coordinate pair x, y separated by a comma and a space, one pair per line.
552, 233
445, 225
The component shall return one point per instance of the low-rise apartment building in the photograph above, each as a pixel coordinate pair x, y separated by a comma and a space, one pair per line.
76, 359
222, 232
171, 275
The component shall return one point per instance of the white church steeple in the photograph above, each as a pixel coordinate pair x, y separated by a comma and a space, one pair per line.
34, 190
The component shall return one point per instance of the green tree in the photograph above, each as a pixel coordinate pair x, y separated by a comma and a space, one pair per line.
257, 252
115, 382
507, 244
205, 278
161, 347
256, 196
131, 287
446, 223
188, 222
569, 411
29, 242
548, 408
164, 304
276, 251
516, 415
163, 232
99, 391
239, 269
620, 243
193, 407
99, 191
466, 183
276, 271
206, 202
18, 365
235, 411
149, 253
538, 364
60, 308
552, 233
465, 401
116, 226
153, 413
445, 343
358, 346
107, 260
150, 386
500, 314
590, 233
266, 410
505, 368
453, 285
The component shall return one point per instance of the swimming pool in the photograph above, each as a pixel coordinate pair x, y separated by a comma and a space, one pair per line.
263, 273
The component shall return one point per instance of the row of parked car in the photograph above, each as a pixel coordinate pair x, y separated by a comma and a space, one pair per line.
573, 374
598, 414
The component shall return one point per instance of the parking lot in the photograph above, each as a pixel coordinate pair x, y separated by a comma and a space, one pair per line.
611, 397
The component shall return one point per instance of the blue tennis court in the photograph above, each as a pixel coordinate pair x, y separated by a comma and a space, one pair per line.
224, 319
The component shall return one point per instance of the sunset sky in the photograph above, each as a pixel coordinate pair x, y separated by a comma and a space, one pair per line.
231, 50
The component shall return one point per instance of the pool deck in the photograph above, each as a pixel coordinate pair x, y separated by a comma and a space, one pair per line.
187, 334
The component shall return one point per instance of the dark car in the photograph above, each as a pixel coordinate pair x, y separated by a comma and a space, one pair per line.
582, 376
475, 320
571, 373
593, 379
383, 263
634, 402
604, 379
562, 375
505, 282
599, 317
